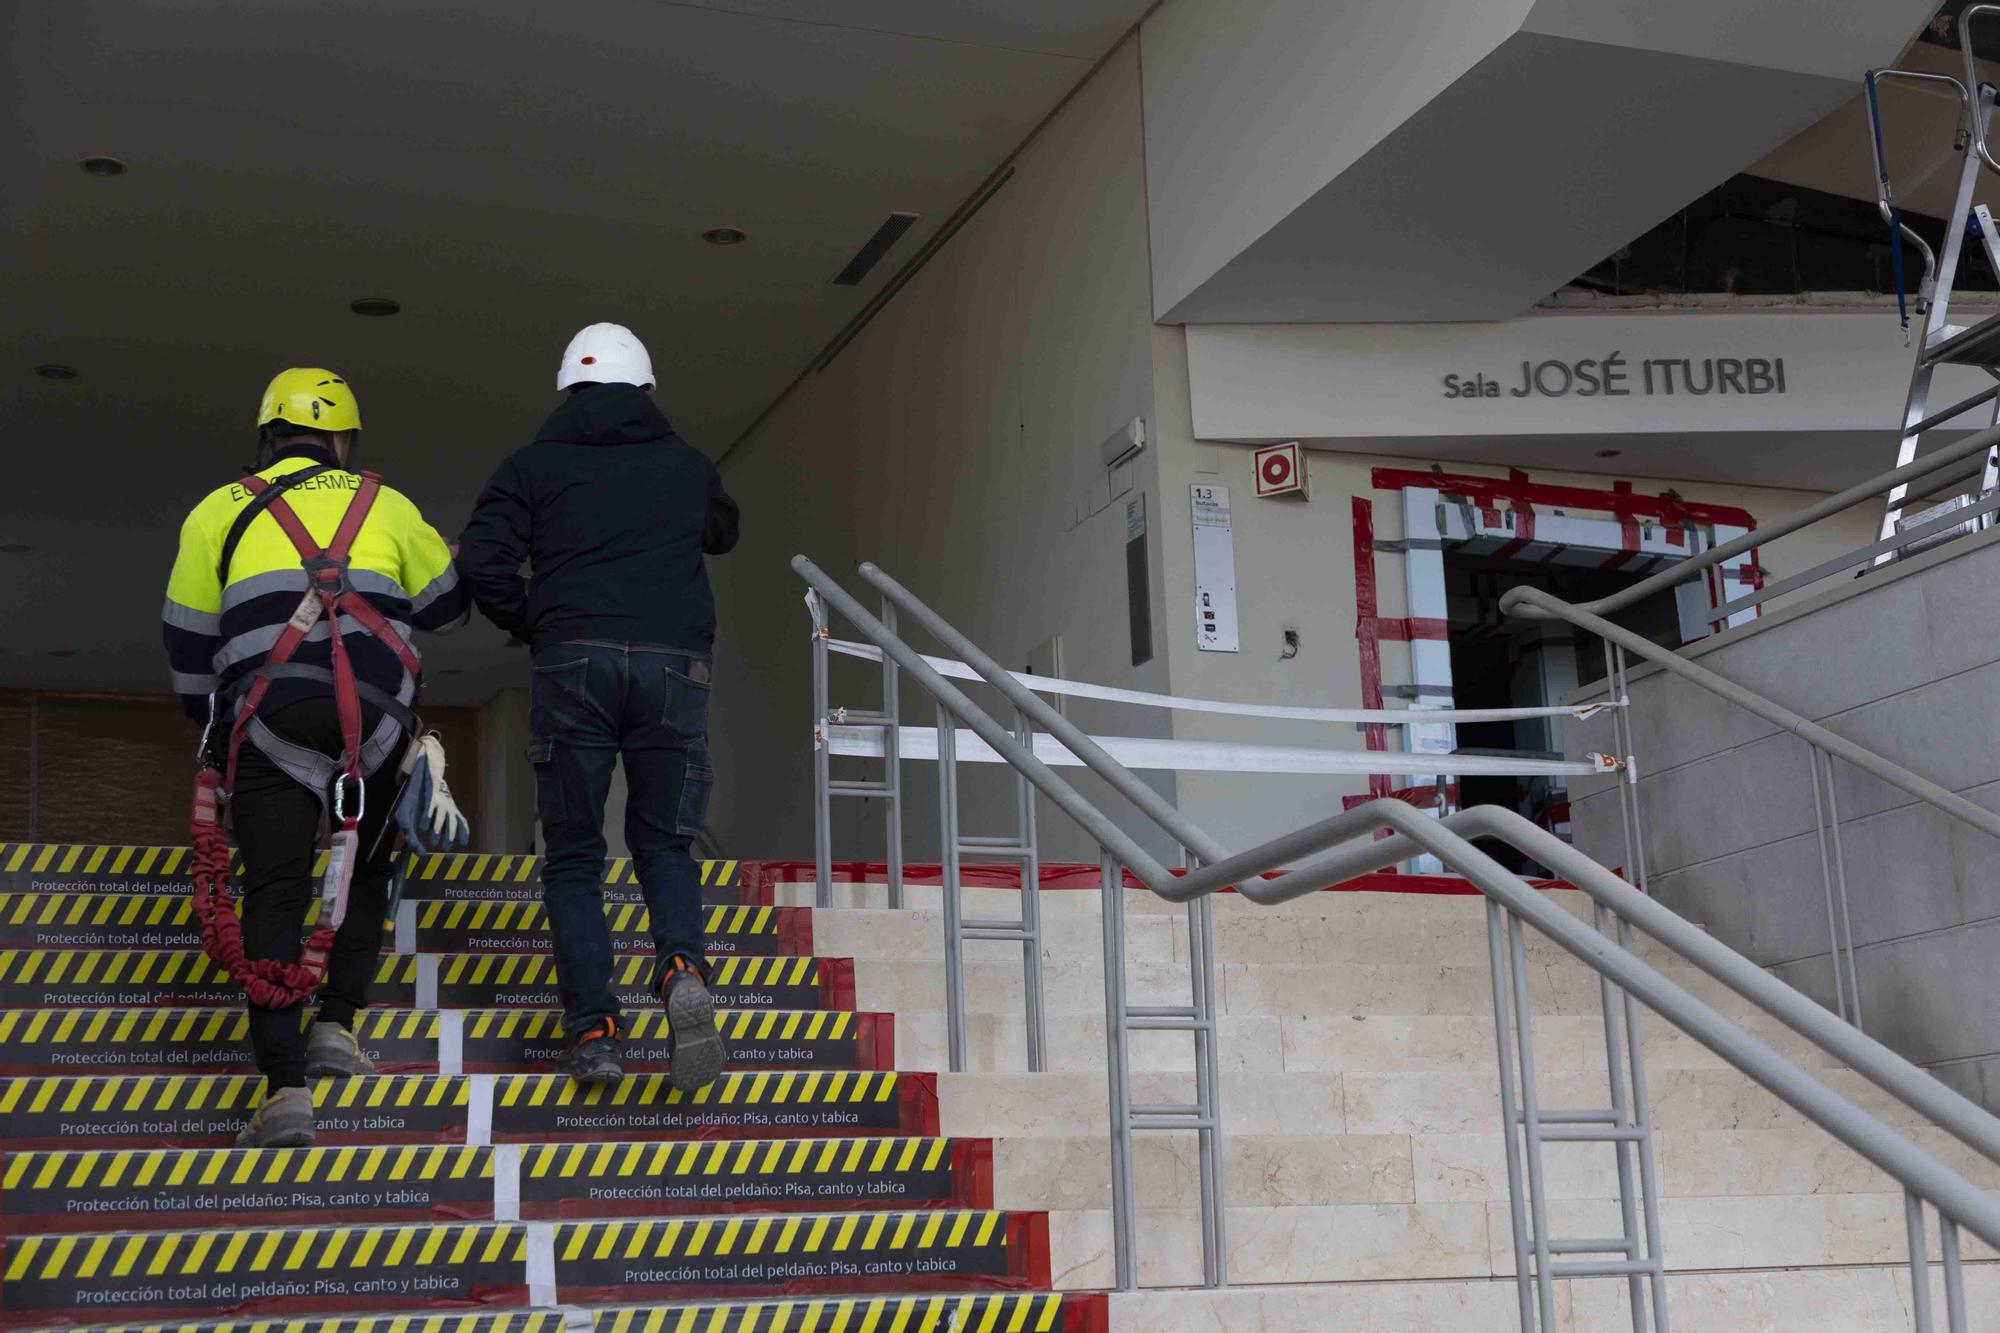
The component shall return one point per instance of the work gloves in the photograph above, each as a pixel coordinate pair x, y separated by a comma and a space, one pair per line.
428, 816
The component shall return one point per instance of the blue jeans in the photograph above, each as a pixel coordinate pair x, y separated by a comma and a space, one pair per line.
592, 702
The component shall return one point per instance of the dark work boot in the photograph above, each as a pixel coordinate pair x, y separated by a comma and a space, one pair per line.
592, 1060
695, 1053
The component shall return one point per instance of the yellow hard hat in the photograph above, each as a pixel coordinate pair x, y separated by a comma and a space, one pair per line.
310, 397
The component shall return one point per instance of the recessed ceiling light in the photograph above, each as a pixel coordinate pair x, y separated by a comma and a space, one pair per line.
375, 307
103, 166
15, 548
49, 370
725, 236
1609, 453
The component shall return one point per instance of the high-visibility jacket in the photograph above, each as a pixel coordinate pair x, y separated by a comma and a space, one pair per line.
219, 626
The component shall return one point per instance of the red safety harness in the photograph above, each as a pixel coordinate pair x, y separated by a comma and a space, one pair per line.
329, 596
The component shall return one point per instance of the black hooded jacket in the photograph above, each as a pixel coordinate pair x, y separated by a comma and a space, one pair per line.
612, 512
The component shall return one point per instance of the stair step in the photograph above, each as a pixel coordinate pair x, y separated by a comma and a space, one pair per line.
992, 1312
488, 1041
437, 925
69, 978
360, 1267
167, 1189
1026, 1312
206, 1110
97, 868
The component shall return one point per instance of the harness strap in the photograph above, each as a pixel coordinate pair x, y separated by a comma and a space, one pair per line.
329, 594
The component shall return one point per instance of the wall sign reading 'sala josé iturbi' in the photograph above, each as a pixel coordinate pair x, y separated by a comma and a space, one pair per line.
1615, 376
1781, 373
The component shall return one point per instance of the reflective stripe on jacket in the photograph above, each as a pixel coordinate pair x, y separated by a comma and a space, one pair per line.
216, 634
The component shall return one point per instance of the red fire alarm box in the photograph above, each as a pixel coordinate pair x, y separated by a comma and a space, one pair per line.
1281, 470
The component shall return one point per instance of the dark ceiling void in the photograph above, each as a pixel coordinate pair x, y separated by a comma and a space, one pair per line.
1943, 30
1755, 237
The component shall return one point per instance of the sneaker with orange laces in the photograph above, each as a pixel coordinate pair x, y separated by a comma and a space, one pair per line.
695, 1053
593, 1058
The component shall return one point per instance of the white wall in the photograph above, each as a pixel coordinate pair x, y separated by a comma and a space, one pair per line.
1252, 106
1460, 159
950, 443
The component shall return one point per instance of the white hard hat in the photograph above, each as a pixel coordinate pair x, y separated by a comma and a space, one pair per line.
605, 354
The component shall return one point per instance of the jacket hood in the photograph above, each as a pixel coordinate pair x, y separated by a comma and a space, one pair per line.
606, 414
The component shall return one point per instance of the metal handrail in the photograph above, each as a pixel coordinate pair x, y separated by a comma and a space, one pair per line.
1686, 571
1337, 848
1525, 602
1972, 77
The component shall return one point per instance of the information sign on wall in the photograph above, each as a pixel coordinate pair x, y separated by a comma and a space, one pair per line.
1214, 570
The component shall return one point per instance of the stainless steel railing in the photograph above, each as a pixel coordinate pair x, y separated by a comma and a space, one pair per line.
1822, 746
1345, 845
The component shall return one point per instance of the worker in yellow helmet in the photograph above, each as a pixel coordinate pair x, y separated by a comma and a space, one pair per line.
286, 622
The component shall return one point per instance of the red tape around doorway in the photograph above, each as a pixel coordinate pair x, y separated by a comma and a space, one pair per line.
1524, 497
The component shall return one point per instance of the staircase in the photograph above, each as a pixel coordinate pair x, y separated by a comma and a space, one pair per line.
834, 1181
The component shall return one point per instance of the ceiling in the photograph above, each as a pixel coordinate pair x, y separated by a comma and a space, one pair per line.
507, 171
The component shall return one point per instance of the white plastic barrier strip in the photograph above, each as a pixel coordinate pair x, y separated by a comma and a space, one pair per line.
1414, 717
1140, 752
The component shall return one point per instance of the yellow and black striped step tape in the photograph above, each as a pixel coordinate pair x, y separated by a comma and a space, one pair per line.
220, 1092
738, 1025
53, 858
490, 868
116, 1256
149, 1168
539, 969
460, 1321
498, 914
149, 967
754, 1236
1039, 1312
749, 1157
801, 1087
55, 1027
160, 911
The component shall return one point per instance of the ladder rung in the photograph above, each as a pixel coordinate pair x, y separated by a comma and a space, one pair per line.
1571, 1117
1936, 419
1594, 1245
986, 841
1975, 346
1169, 1110
857, 717
1010, 851
860, 789
1593, 1133
1604, 1268
1014, 935
1171, 1123
1169, 1025
1161, 1011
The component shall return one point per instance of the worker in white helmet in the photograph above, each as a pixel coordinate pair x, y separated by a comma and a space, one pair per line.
613, 513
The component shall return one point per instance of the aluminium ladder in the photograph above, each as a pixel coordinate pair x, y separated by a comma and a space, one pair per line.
1940, 343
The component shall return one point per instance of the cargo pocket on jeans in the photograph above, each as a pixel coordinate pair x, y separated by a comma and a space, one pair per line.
695, 788
548, 787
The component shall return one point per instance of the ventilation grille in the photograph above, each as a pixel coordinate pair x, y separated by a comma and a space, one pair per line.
870, 254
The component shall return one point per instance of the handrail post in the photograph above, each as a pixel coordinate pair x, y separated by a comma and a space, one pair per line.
1031, 907
1118, 1073
822, 758
954, 909
892, 765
